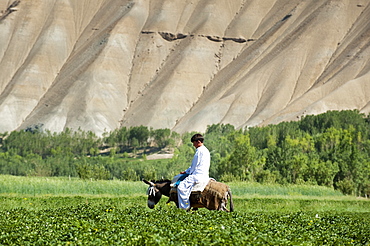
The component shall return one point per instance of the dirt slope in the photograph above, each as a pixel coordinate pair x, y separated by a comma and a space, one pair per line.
101, 64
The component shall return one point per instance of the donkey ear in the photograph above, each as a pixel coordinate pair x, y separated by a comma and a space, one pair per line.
148, 182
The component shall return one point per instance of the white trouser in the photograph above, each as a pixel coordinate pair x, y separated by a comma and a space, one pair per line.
184, 191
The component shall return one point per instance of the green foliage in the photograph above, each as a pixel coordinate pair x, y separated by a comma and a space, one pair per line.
71, 211
316, 124
242, 161
138, 136
63, 211
88, 171
68, 186
162, 137
113, 222
45, 143
331, 149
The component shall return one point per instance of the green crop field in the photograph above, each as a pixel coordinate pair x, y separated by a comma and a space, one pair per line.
63, 211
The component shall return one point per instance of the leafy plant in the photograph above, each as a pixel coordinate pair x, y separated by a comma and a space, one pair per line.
104, 224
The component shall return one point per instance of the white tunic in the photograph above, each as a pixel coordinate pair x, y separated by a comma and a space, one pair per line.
200, 164
198, 172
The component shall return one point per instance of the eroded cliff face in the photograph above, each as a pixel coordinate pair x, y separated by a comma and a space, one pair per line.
101, 64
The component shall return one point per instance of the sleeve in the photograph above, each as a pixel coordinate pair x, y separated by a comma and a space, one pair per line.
194, 163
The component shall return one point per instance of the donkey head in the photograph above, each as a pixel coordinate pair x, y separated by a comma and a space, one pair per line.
154, 194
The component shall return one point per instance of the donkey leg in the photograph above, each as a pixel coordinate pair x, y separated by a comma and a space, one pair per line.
222, 206
223, 203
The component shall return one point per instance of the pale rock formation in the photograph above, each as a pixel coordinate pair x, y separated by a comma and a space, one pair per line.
102, 64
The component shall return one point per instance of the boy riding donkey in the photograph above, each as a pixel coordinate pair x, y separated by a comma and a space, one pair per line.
196, 173
192, 188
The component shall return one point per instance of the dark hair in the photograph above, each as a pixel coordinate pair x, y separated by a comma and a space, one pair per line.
197, 137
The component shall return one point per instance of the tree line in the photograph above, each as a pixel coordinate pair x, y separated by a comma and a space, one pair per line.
330, 149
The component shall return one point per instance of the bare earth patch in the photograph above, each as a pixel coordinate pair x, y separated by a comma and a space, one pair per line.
159, 156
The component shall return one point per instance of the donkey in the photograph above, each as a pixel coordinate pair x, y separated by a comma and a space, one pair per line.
213, 197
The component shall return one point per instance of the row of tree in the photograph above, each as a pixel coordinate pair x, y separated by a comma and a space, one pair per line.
331, 149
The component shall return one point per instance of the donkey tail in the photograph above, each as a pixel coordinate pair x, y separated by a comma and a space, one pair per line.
231, 200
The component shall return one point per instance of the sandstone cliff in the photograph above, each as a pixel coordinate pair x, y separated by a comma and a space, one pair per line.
101, 64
